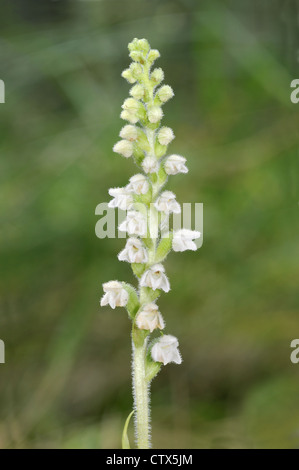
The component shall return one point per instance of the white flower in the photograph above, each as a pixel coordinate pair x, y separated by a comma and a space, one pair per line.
138, 184
155, 278
150, 165
154, 114
129, 132
134, 252
124, 148
165, 135
115, 295
183, 240
175, 164
135, 224
166, 350
149, 318
166, 203
122, 198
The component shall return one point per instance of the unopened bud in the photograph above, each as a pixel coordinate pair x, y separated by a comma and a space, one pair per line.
124, 148
157, 76
154, 114
165, 93
130, 104
129, 133
127, 74
137, 91
129, 116
153, 55
136, 70
165, 135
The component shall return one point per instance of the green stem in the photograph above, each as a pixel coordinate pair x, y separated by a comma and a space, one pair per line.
141, 397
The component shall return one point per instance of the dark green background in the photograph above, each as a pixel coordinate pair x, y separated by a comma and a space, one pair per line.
233, 305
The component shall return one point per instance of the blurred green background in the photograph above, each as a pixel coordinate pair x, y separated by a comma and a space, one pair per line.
233, 305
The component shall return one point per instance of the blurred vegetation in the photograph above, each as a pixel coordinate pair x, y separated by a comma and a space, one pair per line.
234, 304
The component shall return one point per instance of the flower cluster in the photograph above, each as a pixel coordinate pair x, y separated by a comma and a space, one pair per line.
146, 141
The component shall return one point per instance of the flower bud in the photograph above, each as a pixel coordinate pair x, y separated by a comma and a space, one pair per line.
129, 133
153, 55
136, 70
165, 93
157, 76
137, 91
136, 56
124, 148
154, 114
149, 318
165, 135
150, 165
130, 104
129, 116
127, 74
166, 350
143, 45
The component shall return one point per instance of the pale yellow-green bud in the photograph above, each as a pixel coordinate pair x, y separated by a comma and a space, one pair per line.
153, 55
143, 45
136, 70
129, 133
154, 114
124, 148
139, 45
165, 93
165, 135
137, 91
130, 104
127, 74
157, 76
136, 56
129, 116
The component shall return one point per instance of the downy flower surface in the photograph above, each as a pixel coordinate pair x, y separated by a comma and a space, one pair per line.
183, 240
166, 350
155, 278
175, 164
115, 295
121, 199
149, 318
138, 184
167, 203
149, 206
134, 224
134, 251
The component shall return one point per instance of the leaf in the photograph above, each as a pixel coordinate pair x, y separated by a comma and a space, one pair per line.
125, 440
138, 269
164, 248
133, 301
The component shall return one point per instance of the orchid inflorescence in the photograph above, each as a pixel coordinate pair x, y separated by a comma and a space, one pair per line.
148, 209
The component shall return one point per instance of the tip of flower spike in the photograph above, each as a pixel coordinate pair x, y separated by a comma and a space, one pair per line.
141, 45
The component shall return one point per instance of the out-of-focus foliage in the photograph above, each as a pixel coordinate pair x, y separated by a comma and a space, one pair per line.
234, 304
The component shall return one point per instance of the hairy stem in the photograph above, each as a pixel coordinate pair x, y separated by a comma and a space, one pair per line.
141, 397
